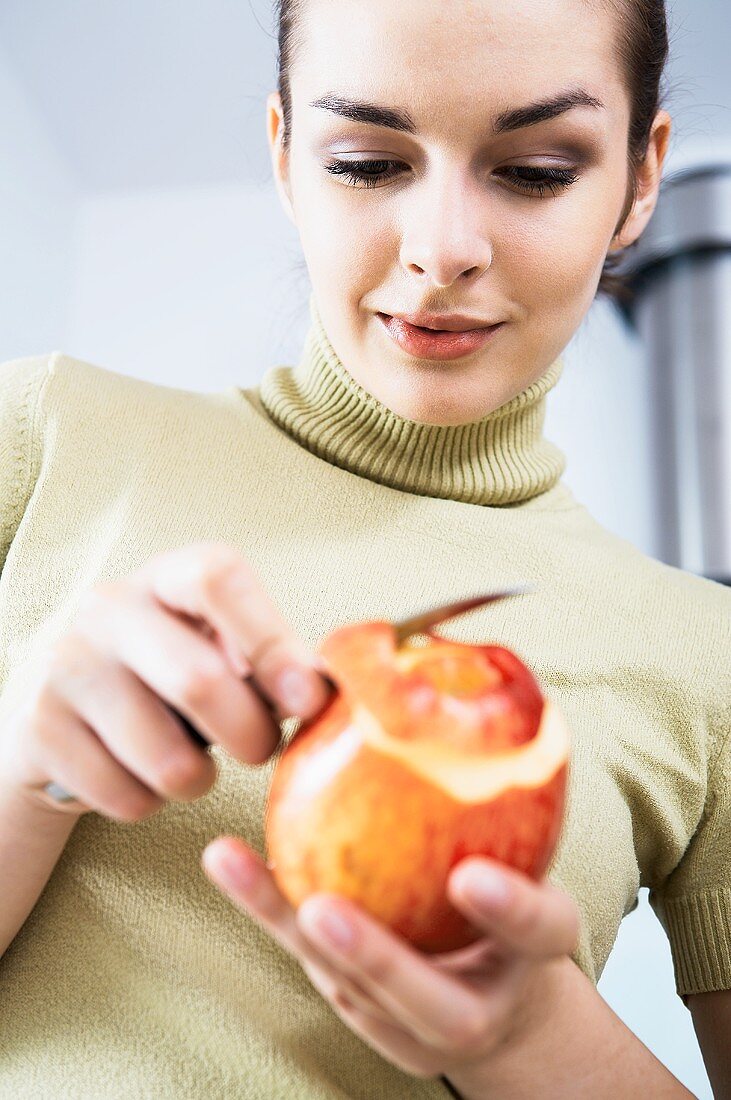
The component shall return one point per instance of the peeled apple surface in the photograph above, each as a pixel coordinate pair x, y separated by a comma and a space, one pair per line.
425, 755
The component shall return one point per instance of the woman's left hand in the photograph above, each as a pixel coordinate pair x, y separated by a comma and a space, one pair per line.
430, 1015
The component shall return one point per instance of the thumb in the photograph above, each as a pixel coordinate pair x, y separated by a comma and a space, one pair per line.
534, 919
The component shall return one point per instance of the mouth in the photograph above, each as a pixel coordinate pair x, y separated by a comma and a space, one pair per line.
439, 344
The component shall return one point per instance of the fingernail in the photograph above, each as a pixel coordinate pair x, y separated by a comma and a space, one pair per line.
235, 872
295, 689
487, 887
334, 929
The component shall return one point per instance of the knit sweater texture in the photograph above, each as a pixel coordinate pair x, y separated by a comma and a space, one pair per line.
134, 975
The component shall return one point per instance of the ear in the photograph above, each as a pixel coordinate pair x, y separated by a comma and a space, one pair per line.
280, 158
648, 183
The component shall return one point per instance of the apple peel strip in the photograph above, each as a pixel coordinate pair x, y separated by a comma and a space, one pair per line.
468, 778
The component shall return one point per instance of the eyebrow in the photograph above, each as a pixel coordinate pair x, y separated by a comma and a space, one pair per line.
514, 119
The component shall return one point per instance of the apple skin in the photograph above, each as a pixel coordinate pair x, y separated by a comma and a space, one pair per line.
344, 817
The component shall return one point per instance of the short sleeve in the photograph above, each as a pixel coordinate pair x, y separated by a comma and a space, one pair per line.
21, 383
694, 903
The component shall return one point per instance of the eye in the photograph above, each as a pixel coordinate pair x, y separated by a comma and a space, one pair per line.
367, 172
541, 179
531, 180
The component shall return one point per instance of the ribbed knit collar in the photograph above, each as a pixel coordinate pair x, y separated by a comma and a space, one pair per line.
501, 459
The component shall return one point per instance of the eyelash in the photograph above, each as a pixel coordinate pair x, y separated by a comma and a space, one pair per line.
538, 179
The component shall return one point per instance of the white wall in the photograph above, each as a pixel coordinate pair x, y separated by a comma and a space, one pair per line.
192, 287
38, 204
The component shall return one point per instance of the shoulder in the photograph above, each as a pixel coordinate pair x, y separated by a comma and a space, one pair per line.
75, 396
683, 591
673, 623
54, 374
70, 377
692, 611
55, 405
21, 384
696, 611
53, 396
644, 585
21, 381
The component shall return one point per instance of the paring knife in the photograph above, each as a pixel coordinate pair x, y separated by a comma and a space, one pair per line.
415, 624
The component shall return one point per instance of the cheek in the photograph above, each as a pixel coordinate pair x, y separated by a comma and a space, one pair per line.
556, 259
344, 237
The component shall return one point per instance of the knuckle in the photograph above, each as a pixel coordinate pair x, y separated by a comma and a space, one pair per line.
424, 1067
199, 682
341, 998
466, 1033
65, 655
39, 729
273, 655
41, 718
44, 705
97, 598
74, 669
320, 979
179, 772
257, 741
151, 806
137, 806
571, 927
217, 566
524, 916
379, 968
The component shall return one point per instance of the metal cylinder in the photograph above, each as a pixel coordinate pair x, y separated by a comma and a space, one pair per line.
679, 273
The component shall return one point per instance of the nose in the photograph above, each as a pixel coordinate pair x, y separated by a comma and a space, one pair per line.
444, 235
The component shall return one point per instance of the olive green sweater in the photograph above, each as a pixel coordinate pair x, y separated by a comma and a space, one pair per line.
134, 975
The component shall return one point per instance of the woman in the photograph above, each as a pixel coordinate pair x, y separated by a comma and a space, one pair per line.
165, 549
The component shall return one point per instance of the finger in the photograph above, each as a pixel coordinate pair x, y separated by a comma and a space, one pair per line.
479, 957
391, 1041
132, 723
336, 987
461, 1022
73, 756
239, 872
438, 1008
535, 919
182, 667
374, 1024
214, 580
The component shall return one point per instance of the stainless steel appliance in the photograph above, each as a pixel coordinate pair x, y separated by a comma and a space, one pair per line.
680, 276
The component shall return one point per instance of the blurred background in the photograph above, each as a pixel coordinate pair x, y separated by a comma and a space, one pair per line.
141, 232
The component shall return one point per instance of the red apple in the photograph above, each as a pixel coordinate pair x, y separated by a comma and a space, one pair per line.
426, 754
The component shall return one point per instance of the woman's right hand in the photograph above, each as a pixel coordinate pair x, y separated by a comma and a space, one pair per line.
182, 632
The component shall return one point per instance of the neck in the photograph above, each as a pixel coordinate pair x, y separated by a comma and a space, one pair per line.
500, 459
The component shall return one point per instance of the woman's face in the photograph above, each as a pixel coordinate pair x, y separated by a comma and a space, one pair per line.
452, 226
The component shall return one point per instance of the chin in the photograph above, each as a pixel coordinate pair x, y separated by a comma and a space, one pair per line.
430, 403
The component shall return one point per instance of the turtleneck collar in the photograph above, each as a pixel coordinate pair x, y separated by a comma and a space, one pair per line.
501, 459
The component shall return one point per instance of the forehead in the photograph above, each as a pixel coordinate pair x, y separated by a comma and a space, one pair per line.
444, 53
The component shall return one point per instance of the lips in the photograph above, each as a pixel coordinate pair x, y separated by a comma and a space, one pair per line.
455, 322
425, 343
428, 328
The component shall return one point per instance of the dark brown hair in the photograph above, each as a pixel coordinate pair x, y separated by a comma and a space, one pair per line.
642, 47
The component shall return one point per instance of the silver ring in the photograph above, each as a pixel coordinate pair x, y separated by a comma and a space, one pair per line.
58, 794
